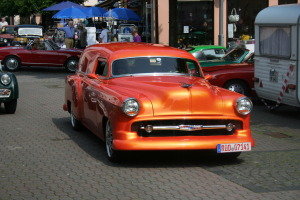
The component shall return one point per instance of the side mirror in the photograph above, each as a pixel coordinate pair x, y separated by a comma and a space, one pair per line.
208, 77
92, 76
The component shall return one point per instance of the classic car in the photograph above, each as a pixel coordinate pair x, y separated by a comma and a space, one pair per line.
39, 53
24, 33
207, 52
6, 35
237, 55
139, 96
237, 77
9, 91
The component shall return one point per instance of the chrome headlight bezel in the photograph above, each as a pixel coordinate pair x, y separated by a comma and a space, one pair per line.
243, 106
131, 107
5, 79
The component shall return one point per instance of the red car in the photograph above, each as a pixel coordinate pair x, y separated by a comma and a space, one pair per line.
138, 96
39, 53
237, 77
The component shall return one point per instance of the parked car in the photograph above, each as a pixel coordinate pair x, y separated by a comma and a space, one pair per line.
237, 77
24, 33
9, 91
207, 52
6, 35
138, 96
237, 55
39, 53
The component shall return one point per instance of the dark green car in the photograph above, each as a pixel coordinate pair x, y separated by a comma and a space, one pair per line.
9, 91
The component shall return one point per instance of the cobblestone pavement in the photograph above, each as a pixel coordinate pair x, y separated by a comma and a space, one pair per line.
41, 157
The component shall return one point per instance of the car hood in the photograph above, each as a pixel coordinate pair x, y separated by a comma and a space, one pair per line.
171, 95
7, 36
70, 50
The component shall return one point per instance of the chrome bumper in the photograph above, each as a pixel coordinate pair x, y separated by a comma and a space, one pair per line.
150, 128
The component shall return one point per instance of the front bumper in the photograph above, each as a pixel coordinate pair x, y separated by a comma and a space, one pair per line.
179, 142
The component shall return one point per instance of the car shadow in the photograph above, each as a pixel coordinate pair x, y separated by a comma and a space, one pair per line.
42, 72
93, 146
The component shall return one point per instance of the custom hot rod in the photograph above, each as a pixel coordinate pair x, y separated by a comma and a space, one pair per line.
138, 96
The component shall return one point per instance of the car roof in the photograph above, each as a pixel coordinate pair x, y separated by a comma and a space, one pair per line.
120, 50
29, 26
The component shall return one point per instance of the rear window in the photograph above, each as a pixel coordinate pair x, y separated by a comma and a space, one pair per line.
157, 65
275, 41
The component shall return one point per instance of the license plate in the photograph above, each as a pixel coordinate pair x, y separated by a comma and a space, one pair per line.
4, 93
234, 147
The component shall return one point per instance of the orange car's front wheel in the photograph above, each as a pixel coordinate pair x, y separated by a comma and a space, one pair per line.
112, 154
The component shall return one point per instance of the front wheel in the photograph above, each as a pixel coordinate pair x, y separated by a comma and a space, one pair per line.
71, 64
10, 107
111, 154
237, 86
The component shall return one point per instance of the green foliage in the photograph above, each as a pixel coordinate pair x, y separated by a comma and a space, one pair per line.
27, 7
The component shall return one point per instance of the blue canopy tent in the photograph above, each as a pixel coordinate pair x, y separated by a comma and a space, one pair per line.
62, 5
122, 14
95, 11
72, 13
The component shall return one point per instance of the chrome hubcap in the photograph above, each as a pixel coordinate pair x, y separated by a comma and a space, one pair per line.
236, 88
72, 64
108, 140
12, 64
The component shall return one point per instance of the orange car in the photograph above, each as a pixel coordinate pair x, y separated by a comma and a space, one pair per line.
138, 96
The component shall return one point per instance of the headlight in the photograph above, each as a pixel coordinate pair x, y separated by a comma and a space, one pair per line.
5, 79
5, 40
244, 105
131, 107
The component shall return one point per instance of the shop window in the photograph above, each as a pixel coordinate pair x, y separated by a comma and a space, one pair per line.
275, 41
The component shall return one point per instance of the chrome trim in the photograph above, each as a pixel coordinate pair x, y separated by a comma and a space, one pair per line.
187, 127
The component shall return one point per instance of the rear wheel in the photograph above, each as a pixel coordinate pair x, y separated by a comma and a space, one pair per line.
71, 64
10, 107
12, 63
112, 155
237, 86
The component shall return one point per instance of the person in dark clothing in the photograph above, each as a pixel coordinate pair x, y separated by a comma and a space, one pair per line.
82, 36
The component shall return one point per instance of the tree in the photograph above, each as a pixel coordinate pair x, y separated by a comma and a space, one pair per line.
25, 8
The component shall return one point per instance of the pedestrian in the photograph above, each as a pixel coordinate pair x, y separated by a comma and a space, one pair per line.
136, 36
103, 37
82, 36
3, 22
70, 33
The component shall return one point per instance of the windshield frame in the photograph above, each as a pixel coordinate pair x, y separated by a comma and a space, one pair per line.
155, 73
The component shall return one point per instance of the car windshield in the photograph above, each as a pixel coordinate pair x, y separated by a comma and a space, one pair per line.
155, 65
53, 44
30, 31
235, 54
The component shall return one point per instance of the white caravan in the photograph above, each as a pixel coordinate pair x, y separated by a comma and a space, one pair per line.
277, 73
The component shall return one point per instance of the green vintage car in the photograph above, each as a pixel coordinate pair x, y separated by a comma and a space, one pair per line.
207, 52
214, 57
9, 91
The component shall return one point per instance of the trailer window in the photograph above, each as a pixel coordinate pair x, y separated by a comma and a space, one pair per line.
275, 41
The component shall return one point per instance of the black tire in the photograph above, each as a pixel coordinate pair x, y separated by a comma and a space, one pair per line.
71, 64
10, 107
76, 125
237, 86
111, 154
12, 63
229, 156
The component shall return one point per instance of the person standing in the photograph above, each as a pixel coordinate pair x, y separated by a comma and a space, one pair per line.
3, 22
136, 36
82, 36
70, 33
103, 37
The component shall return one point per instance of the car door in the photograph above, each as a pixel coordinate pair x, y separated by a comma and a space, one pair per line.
45, 55
92, 87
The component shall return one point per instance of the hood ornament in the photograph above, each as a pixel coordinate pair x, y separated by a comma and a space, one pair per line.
186, 85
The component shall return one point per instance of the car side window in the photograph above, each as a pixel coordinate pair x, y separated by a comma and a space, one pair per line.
101, 68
